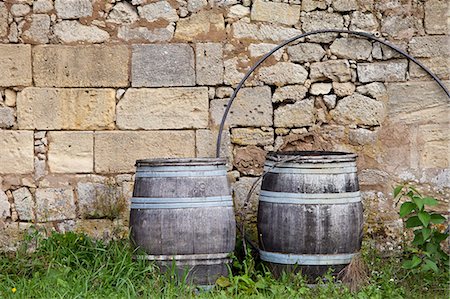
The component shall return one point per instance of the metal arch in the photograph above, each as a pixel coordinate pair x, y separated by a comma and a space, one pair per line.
358, 33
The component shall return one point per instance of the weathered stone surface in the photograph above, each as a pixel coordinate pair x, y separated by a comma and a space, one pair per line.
417, 102
7, 118
358, 110
272, 12
3, 19
204, 25
438, 65
317, 20
249, 160
375, 90
39, 29
252, 136
336, 70
73, 9
289, 93
310, 5
257, 50
283, 73
66, 109
10, 98
42, 6
299, 114
252, 107
209, 63
263, 32
436, 16
361, 21
54, 204
20, 9
143, 33
362, 136
74, 32
15, 65
234, 70
163, 108
71, 152
330, 100
123, 13
343, 89
196, 5
206, 142
94, 196
320, 88
351, 48
162, 65
23, 203
345, 5
158, 10
430, 46
386, 71
5, 208
80, 66
435, 149
246, 210
399, 27
238, 11
16, 149
112, 156
306, 52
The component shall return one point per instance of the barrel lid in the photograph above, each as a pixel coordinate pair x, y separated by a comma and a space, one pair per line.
181, 162
311, 156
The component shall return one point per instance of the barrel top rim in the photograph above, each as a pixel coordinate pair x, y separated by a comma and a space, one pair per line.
312, 156
181, 162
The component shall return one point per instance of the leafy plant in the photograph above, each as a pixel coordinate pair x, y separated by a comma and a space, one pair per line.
425, 251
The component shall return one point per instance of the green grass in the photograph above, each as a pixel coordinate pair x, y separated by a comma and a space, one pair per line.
74, 266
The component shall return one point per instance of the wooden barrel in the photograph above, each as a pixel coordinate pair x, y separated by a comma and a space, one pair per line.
182, 214
310, 215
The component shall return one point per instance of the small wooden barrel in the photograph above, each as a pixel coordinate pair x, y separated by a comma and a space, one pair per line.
310, 215
182, 214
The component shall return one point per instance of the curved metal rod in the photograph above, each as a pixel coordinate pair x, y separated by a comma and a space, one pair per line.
262, 59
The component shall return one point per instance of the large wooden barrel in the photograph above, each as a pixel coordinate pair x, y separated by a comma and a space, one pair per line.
310, 214
182, 214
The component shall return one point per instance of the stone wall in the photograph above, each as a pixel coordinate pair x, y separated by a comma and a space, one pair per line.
87, 87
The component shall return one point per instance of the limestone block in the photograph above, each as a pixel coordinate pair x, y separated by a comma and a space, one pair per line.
23, 203
299, 114
158, 10
317, 20
257, 50
252, 136
272, 12
39, 30
283, 73
438, 65
362, 136
320, 88
15, 65
430, 46
289, 93
336, 70
16, 148
262, 32
80, 66
376, 90
436, 16
252, 107
345, 5
88, 195
74, 32
20, 9
343, 89
306, 52
123, 13
128, 33
53, 204
351, 48
310, 5
10, 98
330, 100
399, 27
162, 65
73, 9
209, 63
42, 6
434, 151
203, 25
206, 143
66, 109
7, 118
417, 102
5, 207
71, 152
3, 19
117, 151
361, 21
238, 11
196, 5
359, 110
386, 71
163, 108
246, 210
